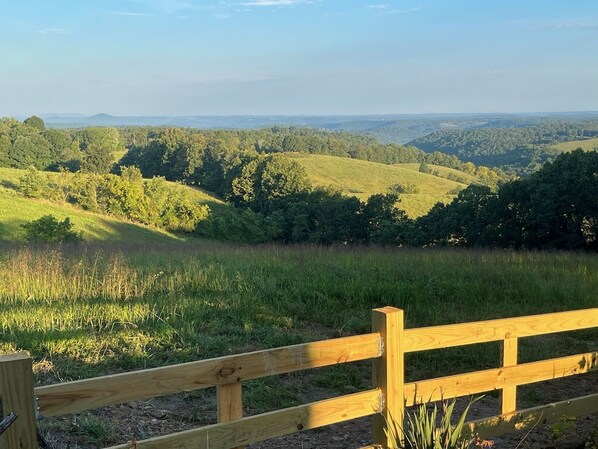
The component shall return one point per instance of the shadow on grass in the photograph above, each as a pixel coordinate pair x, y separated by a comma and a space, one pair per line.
8, 185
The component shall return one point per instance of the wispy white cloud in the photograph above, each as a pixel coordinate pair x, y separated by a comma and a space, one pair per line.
130, 14
274, 2
52, 31
378, 6
394, 12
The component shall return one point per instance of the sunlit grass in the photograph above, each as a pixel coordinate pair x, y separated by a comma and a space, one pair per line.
90, 310
362, 179
585, 144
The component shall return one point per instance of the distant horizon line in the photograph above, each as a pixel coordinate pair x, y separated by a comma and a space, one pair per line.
100, 114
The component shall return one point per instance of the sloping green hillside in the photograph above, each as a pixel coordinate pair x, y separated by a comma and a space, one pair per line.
445, 172
585, 144
16, 210
363, 179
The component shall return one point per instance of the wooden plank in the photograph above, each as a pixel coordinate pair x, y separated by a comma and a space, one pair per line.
388, 374
230, 403
73, 397
508, 400
16, 395
268, 425
437, 337
526, 419
493, 379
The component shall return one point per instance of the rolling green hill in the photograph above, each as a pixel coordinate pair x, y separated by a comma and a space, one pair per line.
363, 179
16, 210
585, 144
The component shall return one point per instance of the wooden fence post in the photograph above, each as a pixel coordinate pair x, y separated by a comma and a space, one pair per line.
230, 402
508, 401
16, 395
389, 375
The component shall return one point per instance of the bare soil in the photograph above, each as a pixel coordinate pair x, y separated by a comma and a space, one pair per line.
160, 416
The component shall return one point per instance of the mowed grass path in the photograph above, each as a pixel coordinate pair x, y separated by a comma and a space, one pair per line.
363, 179
96, 309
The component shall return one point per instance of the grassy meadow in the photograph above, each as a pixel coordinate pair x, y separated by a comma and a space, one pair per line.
585, 144
16, 210
88, 310
363, 178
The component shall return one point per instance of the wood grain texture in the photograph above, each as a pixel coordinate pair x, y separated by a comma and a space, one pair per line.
16, 395
508, 396
526, 419
230, 403
388, 373
73, 397
493, 379
268, 425
446, 336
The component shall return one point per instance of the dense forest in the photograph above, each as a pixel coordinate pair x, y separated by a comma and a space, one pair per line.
520, 150
94, 149
273, 199
556, 207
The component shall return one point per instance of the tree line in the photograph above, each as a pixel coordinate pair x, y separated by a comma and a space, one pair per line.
554, 208
518, 150
96, 149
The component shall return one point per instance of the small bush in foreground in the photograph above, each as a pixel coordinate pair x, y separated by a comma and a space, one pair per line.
48, 229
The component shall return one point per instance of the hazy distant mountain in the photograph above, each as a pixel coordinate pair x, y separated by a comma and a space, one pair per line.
400, 128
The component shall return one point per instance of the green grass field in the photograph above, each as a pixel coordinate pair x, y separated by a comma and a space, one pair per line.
363, 179
586, 144
16, 210
96, 309
107, 308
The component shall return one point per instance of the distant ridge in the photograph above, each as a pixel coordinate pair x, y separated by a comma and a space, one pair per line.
394, 128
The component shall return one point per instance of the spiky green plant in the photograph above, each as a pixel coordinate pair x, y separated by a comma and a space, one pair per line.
430, 428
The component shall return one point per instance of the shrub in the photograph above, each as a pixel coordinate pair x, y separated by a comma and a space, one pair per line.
48, 229
407, 187
36, 184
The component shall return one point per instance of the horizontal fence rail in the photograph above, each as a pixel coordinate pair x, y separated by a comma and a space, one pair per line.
386, 346
74, 397
450, 335
269, 425
494, 379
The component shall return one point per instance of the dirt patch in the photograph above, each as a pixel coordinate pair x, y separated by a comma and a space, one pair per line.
161, 416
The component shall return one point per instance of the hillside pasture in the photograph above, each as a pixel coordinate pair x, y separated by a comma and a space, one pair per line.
363, 178
16, 210
585, 144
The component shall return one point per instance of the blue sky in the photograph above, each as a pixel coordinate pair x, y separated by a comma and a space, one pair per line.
226, 57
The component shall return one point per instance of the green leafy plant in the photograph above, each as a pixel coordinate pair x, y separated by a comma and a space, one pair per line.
48, 229
429, 427
559, 430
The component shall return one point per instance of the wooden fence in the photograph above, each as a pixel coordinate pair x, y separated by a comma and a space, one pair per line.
386, 346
